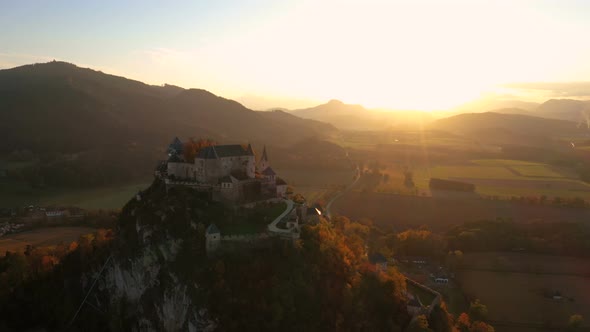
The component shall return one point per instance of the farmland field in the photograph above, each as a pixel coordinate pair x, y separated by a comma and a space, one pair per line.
527, 263
493, 177
440, 213
112, 197
528, 288
316, 184
323, 178
42, 237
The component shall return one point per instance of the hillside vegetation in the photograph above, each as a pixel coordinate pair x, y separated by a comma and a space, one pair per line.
157, 276
65, 126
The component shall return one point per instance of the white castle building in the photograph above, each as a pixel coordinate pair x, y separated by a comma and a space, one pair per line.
229, 172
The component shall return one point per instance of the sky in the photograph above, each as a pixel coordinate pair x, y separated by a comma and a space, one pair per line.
418, 54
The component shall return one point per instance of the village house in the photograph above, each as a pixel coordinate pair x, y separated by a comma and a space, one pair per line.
229, 172
379, 261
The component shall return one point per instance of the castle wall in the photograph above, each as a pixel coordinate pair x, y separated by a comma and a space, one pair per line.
210, 170
282, 190
199, 170
181, 170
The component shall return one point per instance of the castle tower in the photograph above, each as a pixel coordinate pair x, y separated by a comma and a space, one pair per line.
263, 163
251, 164
212, 239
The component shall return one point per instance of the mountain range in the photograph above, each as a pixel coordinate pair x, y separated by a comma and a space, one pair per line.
80, 127
59, 106
97, 128
357, 117
510, 129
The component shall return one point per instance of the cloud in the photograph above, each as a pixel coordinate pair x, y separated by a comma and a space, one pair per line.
554, 89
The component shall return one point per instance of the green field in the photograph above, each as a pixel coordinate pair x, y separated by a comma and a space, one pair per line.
112, 197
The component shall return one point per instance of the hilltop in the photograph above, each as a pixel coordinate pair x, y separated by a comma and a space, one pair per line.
504, 128
357, 117
566, 109
157, 276
72, 109
75, 126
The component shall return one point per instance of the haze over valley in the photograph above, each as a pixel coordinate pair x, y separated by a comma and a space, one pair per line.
295, 166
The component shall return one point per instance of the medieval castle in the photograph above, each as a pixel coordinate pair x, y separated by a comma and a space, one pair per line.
229, 172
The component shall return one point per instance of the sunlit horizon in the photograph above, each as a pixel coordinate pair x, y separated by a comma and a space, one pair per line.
404, 55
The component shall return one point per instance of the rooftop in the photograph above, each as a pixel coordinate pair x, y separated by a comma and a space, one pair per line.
223, 151
212, 229
240, 175
269, 171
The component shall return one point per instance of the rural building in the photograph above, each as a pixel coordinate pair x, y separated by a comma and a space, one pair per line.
56, 213
379, 261
212, 238
441, 280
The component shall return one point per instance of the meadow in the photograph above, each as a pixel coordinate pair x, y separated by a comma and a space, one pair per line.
42, 237
528, 285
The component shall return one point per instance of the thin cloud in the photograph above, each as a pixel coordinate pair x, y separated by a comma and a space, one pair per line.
554, 89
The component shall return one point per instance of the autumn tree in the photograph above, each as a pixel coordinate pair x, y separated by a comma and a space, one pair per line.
192, 147
481, 327
420, 242
463, 323
419, 324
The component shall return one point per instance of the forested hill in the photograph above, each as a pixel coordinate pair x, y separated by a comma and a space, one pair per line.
512, 129
83, 121
159, 278
58, 106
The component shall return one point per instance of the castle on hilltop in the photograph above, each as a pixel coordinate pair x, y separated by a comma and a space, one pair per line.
229, 172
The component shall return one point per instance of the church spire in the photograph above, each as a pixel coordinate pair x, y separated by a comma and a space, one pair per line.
249, 150
264, 157
263, 162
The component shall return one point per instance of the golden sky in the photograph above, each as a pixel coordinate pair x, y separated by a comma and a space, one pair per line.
417, 54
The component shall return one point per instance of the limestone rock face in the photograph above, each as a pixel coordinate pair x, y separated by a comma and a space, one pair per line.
131, 282
148, 280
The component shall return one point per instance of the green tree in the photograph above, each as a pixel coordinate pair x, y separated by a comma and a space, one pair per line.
575, 323
478, 311
420, 324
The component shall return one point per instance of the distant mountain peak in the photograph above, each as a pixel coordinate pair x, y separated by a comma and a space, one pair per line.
335, 102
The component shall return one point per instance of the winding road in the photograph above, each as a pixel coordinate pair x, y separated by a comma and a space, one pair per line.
272, 227
347, 189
